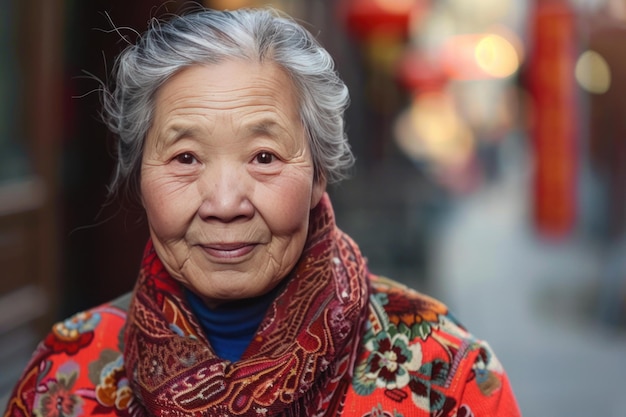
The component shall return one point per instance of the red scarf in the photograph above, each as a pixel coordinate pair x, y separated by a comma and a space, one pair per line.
299, 362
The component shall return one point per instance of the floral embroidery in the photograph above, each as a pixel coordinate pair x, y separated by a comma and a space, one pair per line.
412, 316
391, 359
465, 411
379, 412
487, 380
413, 351
113, 389
424, 393
73, 334
412, 309
55, 398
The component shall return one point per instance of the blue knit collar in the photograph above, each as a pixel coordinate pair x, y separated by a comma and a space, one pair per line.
231, 326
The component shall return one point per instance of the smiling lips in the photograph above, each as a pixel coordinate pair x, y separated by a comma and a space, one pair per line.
226, 251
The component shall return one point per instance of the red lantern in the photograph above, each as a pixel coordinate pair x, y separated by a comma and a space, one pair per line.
367, 18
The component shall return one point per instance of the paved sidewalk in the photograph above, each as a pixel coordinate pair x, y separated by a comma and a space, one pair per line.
536, 304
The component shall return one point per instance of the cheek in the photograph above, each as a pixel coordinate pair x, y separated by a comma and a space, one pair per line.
168, 205
286, 207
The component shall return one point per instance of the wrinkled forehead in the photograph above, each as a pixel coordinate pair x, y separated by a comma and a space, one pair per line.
258, 99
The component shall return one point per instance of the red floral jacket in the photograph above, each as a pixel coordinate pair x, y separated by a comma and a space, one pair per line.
414, 360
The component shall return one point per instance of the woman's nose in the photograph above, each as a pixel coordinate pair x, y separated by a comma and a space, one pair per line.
225, 192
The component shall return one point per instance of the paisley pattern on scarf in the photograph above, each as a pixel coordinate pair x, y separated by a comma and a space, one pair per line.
302, 351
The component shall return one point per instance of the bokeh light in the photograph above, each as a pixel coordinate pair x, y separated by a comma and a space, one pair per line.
496, 56
431, 130
480, 56
593, 73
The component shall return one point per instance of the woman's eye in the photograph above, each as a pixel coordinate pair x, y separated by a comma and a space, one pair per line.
185, 158
264, 158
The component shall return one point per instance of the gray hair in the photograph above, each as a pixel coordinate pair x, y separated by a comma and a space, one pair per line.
209, 37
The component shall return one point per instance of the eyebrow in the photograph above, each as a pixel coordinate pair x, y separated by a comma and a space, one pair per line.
174, 133
265, 127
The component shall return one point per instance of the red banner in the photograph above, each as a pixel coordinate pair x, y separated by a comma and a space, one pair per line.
554, 116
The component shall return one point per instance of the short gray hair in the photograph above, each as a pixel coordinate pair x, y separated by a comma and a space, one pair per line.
208, 37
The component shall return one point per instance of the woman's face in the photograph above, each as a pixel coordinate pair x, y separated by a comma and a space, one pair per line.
227, 179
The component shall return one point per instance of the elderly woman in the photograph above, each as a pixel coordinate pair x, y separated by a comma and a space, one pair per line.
249, 301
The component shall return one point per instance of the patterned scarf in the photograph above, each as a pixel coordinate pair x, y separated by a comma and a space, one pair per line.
298, 363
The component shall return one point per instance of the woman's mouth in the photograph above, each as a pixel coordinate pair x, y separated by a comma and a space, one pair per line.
228, 250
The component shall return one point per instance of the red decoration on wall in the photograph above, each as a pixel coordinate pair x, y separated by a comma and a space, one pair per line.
554, 117
366, 18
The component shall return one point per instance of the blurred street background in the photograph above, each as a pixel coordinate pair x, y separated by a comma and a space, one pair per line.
490, 138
